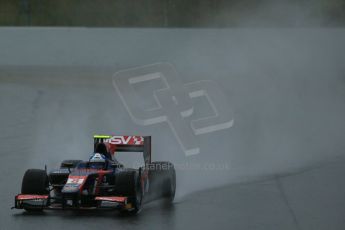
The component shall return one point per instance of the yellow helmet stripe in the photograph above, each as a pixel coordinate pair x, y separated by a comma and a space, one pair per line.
102, 136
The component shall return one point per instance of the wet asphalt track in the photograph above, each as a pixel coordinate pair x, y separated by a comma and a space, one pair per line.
285, 151
36, 109
311, 200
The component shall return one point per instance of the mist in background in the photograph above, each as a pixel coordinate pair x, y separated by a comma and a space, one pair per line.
285, 86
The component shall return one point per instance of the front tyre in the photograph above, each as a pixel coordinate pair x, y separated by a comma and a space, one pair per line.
35, 181
127, 184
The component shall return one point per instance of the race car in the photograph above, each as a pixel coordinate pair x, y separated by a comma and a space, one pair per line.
101, 182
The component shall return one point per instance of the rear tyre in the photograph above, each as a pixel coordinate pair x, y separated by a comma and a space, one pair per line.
35, 181
127, 184
162, 179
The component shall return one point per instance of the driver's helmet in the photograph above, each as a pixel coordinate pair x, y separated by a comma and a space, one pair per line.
97, 157
97, 161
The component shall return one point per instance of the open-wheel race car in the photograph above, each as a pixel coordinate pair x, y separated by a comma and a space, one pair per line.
101, 182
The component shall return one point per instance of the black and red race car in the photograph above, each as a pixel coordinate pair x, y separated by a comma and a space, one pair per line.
100, 182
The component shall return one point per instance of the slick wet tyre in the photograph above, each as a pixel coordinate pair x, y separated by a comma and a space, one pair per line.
127, 184
35, 181
162, 177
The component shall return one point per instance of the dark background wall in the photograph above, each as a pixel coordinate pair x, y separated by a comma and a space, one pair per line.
173, 13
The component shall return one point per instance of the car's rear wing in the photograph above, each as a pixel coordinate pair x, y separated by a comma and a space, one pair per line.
126, 144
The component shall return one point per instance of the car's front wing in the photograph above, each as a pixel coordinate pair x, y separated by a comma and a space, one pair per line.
32, 201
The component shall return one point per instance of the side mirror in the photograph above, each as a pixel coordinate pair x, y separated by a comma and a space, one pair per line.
67, 165
115, 166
